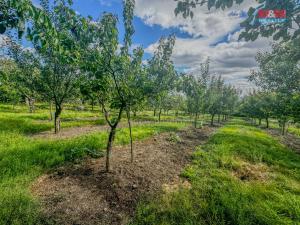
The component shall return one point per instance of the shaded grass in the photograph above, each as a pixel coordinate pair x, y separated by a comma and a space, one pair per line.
23, 159
34, 123
241, 176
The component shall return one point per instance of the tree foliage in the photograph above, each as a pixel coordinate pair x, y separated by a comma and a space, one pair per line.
279, 79
76, 56
290, 29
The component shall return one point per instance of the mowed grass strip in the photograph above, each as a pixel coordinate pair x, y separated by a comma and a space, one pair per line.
27, 123
23, 159
241, 176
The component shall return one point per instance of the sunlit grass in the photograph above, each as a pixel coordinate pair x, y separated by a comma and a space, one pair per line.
241, 176
23, 159
294, 130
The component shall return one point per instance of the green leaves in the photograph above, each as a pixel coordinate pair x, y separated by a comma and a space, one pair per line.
279, 77
252, 27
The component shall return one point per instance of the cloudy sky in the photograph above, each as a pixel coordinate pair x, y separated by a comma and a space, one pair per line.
209, 34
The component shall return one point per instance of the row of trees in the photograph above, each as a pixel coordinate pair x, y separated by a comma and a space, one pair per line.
209, 94
278, 79
74, 56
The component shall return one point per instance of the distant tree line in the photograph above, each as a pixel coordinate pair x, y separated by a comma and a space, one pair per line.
278, 77
278, 80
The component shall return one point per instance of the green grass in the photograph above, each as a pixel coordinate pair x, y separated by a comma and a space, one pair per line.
19, 120
241, 176
23, 159
273, 124
294, 130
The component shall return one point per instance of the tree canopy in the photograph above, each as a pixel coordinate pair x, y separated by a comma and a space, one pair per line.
251, 26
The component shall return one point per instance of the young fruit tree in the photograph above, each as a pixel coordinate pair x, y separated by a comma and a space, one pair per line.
59, 48
26, 77
194, 86
161, 73
116, 77
279, 73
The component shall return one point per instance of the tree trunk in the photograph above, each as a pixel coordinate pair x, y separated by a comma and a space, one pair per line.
154, 112
50, 111
159, 114
111, 139
57, 123
30, 102
219, 118
112, 134
283, 128
212, 119
93, 103
267, 122
130, 134
57, 119
196, 120
259, 121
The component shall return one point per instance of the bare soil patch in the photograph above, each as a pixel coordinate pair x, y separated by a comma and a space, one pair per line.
72, 132
290, 140
84, 194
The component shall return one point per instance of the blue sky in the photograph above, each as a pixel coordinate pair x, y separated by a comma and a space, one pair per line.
212, 34
144, 36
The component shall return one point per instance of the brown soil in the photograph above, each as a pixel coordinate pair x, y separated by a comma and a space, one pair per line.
250, 172
290, 140
72, 132
84, 194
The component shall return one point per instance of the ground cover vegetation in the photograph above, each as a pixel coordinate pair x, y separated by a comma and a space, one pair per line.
77, 74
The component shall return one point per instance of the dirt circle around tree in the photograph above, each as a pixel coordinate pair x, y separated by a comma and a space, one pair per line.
84, 194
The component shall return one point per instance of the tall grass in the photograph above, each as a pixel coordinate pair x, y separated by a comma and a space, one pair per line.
241, 176
23, 159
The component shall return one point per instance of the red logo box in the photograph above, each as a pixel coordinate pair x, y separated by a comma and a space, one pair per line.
276, 14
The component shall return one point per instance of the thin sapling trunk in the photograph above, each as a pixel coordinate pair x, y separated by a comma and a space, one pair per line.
50, 111
110, 142
112, 134
130, 134
196, 120
159, 115
212, 119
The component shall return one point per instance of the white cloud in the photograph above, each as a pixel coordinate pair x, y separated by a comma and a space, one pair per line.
232, 59
206, 23
108, 3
